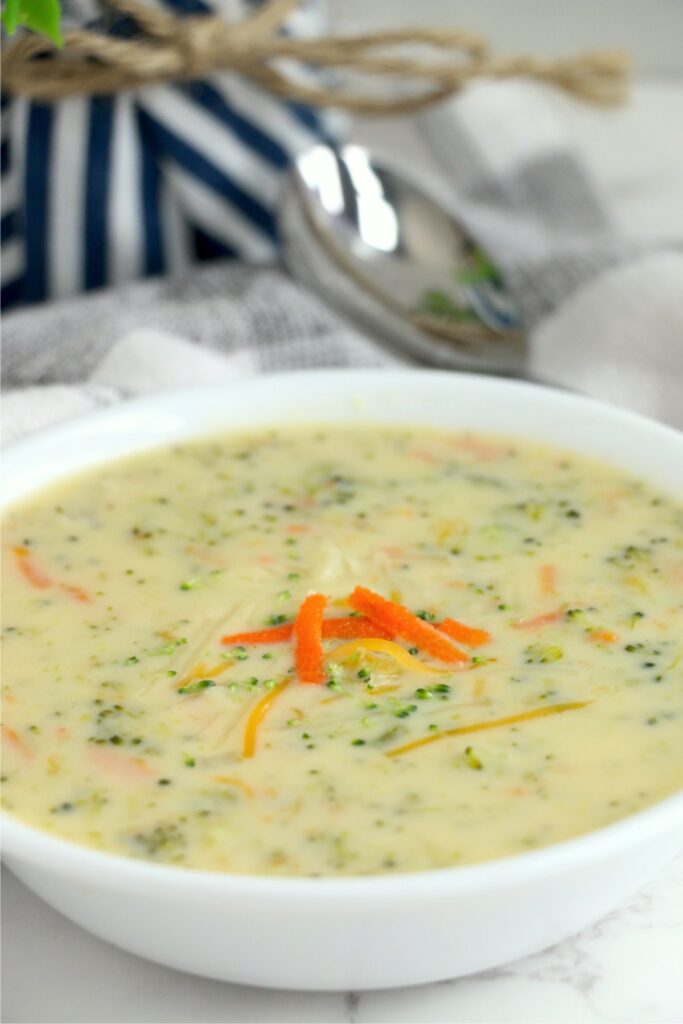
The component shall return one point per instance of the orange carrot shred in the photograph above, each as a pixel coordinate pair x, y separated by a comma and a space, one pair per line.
537, 621
116, 763
272, 635
30, 571
12, 736
399, 621
467, 635
493, 723
77, 592
547, 579
352, 627
308, 632
603, 636
40, 580
424, 456
344, 627
256, 716
480, 450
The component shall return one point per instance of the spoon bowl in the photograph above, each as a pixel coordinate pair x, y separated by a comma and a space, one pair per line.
396, 262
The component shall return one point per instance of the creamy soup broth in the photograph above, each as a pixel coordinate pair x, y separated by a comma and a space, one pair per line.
129, 726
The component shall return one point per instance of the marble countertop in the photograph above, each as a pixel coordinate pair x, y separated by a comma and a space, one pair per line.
625, 968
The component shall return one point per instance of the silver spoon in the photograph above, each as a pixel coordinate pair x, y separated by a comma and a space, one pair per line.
396, 262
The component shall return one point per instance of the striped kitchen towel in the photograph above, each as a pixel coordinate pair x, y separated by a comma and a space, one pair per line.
103, 190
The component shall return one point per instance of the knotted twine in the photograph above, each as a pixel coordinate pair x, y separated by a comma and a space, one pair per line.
172, 48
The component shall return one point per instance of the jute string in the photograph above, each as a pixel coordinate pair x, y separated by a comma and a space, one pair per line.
173, 49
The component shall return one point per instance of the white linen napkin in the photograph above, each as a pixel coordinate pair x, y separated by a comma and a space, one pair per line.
142, 362
65, 359
619, 338
520, 185
604, 310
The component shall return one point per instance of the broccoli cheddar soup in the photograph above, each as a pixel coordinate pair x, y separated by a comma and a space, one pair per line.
341, 651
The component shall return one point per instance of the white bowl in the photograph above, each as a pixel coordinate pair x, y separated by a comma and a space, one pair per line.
350, 933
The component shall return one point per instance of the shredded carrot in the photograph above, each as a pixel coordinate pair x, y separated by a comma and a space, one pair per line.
494, 723
351, 627
344, 627
11, 736
603, 636
256, 716
308, 648
388, 647
398, 621
298, 528
272, 635
31, 573
464, 634
208, 555
230, 780
131, 768
482, 451
38, 579
424, 456
536, 621
77, 592
547, 579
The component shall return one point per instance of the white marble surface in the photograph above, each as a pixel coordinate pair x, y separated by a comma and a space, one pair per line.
626, 968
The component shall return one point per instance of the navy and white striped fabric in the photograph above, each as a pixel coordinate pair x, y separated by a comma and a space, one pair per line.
99, 191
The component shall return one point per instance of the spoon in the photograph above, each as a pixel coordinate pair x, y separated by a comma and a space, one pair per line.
396, 262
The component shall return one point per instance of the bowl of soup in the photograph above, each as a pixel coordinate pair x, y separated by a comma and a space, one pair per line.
343, 679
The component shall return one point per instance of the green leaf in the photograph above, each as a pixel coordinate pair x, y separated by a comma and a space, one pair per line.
438, 303
10, 15
480, 271
41, 16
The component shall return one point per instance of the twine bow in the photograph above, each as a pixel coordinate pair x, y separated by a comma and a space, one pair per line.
172, 48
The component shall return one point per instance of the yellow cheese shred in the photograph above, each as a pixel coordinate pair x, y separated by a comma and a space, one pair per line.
380, 646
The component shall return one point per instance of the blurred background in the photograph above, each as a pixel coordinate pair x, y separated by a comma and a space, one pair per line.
548, 242
647, 28
636, 150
